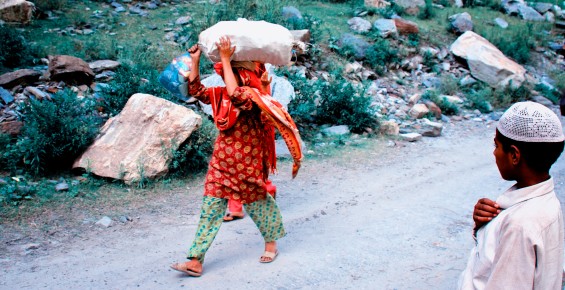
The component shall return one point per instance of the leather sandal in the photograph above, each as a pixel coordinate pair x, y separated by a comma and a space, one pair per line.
268, 257
182, 267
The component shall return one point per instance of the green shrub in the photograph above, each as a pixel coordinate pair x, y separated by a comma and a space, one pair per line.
413, 40
480, 93
509, 95
449, 85
428, 59
194, 154
128, 81
335, 102
380, 55
428, 11
15, 50
54, 133
16, 189
550, 93
480, 99
45, 5
389, 11
443, 103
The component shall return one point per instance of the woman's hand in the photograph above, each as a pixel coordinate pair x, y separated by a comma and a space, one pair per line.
225, 48
265, 79
265, 82
195, 51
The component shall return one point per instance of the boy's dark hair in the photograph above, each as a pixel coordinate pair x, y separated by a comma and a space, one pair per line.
539, 156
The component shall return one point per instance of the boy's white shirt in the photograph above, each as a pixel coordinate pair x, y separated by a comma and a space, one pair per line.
522, 248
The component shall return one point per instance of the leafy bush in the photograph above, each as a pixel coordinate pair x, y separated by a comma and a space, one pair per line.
335, 102
480, 99
428, 59
480, 94
54, 133
413, 40
130, 80
509, 95
16, 189
387, 12
428, 11
449, 85
15, 49
548, 92
380, 55
193, 155
45, 5
447, 107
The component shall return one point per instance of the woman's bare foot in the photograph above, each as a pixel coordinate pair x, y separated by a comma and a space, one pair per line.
231, 216
192, 268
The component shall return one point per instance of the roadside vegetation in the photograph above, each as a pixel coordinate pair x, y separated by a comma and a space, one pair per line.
42, 153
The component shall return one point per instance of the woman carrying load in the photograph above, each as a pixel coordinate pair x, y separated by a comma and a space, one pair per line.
244, 152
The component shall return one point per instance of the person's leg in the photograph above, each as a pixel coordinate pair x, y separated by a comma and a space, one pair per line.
235, 210
211, 215
267, 216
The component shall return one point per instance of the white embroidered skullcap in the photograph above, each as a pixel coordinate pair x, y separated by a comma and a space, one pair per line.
530, 122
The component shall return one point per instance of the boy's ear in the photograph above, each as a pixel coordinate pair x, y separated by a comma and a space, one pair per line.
515, 155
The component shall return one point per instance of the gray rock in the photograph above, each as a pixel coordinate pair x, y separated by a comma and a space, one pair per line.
105, 75
358, 45
37, 93
460, 23
124, 219
102, 65
431, 82
495, 116
511, 7
542, 7
411, 137
542, 100
6, 96
120, 9
386, 27
116, 4
467, 81
105, 222
63, 186
291, 12
339, 130
359, 24
183, 20
19, 77
430, 129
530, 14
549, 17
501, 22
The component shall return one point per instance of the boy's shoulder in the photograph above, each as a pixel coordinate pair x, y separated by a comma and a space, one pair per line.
533, 215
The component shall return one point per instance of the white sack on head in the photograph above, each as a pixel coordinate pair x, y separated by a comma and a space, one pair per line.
254, 41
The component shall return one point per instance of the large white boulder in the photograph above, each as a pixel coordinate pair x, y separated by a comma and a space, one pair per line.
486, 62
138, 142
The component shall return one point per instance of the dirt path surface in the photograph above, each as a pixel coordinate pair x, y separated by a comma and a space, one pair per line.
371, 218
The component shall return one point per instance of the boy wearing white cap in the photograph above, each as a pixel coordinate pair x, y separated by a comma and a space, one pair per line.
521, 247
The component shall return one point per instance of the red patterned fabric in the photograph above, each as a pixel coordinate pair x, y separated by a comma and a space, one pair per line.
244, 152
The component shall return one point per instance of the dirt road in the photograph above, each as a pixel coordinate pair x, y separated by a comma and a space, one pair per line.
372, 218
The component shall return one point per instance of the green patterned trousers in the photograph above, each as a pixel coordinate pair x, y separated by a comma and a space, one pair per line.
265, 213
